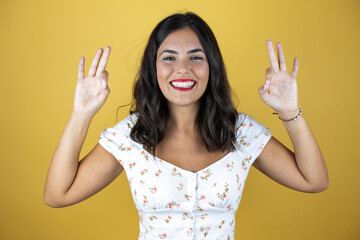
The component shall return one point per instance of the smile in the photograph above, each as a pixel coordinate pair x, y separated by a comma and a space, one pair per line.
183, 84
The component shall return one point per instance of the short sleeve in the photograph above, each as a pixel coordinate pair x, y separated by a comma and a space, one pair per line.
116, 140
251, 137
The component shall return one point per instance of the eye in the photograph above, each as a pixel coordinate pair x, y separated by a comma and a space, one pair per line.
196, 58
168, 58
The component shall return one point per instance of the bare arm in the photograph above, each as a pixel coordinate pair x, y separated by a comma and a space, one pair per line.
70, 181
304, 170
65, 161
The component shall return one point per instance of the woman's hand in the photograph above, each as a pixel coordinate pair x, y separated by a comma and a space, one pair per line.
280, 89
91, 91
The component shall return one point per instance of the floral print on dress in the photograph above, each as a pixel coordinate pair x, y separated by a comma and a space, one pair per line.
125, 148
221, 224
187, 197
190, 231
143, 172
224, 194
244, 142
131, 165
243, 165
153, 190
202, 197
230, 166
175, 203
145, 155
145, 201
206, 174
162, 236
180, 187
187, 216
158, 173
205, 230
175, 172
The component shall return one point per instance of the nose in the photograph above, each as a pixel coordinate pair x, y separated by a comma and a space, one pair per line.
182, 66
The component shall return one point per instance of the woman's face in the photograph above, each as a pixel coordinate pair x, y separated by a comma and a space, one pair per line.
182, 68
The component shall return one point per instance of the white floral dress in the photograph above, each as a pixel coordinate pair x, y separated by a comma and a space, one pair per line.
175, 203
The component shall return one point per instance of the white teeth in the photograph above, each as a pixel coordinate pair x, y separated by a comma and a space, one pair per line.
183, 84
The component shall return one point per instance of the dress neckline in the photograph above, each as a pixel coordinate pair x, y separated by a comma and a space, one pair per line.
171, 165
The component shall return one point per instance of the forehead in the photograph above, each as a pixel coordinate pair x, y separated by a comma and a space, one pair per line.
183, 39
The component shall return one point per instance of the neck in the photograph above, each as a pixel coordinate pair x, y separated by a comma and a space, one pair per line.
183, 118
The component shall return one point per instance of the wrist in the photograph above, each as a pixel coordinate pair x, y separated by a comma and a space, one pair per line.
81, 117
287, 116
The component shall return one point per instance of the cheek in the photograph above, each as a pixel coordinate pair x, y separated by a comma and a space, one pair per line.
205, 78
163, 71
203, 73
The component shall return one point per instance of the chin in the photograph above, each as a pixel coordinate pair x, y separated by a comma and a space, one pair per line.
183, 103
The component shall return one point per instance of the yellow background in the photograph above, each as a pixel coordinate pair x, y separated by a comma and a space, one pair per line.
42, 41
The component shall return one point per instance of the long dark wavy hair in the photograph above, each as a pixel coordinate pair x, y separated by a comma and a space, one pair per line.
217, 116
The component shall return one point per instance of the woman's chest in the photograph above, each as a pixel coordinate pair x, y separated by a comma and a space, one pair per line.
188, 154
158, 185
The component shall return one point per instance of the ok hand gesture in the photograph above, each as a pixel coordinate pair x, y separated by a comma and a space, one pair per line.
280, 89
91, 91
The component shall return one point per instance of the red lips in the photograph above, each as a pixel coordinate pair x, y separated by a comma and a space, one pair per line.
183, 88
183, 80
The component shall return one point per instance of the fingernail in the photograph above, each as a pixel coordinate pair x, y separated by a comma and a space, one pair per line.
265, 86
267, 81
103, 81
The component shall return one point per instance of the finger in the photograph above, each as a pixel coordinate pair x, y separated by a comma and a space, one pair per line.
272, 56
264, 92
105, 91
281, 56
103, 61
104, 76
95, 63
81, 73
269, 73
295, 67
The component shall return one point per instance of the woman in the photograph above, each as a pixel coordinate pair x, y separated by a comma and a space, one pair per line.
185, 149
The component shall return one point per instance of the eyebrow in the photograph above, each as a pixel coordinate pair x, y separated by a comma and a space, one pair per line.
195, 50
